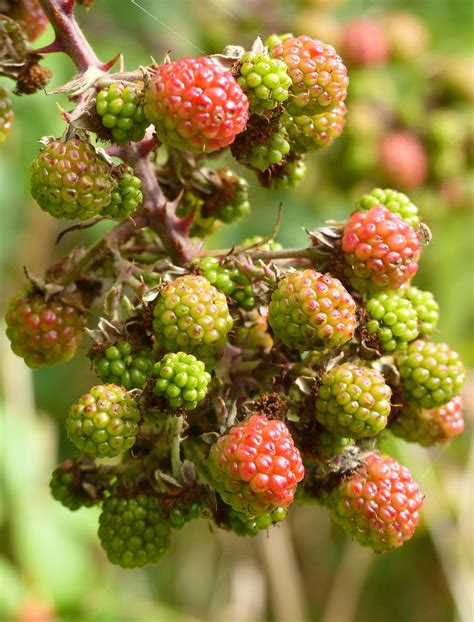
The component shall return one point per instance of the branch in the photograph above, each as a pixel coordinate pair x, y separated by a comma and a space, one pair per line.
69, 37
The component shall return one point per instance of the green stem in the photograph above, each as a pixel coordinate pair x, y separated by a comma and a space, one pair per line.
175, 428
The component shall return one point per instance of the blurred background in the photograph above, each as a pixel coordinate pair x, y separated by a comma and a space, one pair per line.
409, 127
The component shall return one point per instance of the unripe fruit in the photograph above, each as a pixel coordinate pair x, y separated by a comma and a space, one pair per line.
353, 401
120, 364
29, 14
265, 80
319, 78
68, 491
104, 422
126, 196
133, 531
312, 311
191, 315
289, 174
231, 281
431, 373
378, 503
196, 105
426, 307
364, 42
402, 160
316, 132
241, 525
181, 379
396, 202
69, 180
428, 427
43, 331
120, 108
380, 249
393, 319
255, 466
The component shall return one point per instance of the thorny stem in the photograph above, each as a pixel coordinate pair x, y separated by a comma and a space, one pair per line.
69, 37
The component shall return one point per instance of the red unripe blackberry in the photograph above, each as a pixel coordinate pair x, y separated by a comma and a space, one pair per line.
70, 180
318, 75
353, 401
312, 311
196, 105
255, 466
396, 202
104, 422
43, 331
378, 503
6, 114
133, 531
380, 249
318, 131
428, 427
363, 42
431, 373
29, 14
191, 315
402, 160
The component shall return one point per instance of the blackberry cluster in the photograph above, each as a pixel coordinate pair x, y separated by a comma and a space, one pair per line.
178, 516
133, 531
316, 132
431, 373
68, 491
231, 281
191, 315
426, 307
104, 422
69, 180
396, 202
120, 108
312, 311
393, 319
353, 401
126, 195
182, 380
121, 364
265, 81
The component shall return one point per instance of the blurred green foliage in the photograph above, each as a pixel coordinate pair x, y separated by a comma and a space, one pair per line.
50, 559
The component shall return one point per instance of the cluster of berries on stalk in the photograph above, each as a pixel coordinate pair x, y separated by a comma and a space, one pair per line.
263, 368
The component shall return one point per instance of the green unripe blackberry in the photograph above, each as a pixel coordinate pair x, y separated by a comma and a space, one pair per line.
316, 132
396, 202
120, 364
431, 373
133, 531
6, 114
182, 379
353, 401
426, 308
178, 516
120, 108
231, 281
393, 319
241, 525
104, 422
257, 240
270, 153
331, 445
66, 489
265, 80
312, 311
69, 180
289, 174
235, 192
191, 315
126, 196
